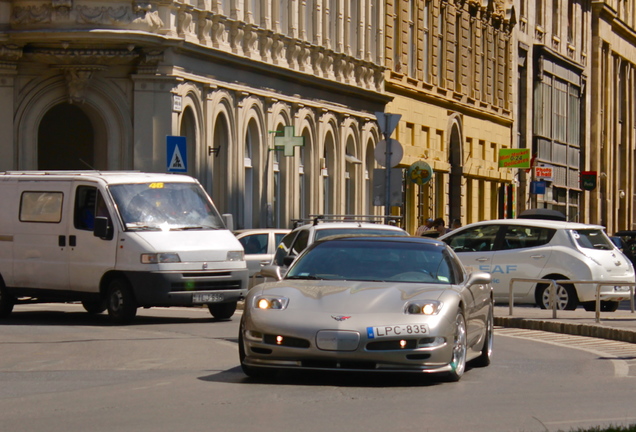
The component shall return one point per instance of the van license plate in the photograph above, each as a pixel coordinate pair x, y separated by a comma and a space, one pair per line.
207, 298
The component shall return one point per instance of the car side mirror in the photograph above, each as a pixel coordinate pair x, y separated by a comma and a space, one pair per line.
272, 271
103, 229
479, 278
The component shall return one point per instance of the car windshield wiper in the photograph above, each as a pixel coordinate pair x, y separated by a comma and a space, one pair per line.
143, 227
193, 227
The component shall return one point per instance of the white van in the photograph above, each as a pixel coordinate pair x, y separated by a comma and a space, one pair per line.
116, 241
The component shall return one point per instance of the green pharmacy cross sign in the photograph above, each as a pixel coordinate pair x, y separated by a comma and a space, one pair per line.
288, 141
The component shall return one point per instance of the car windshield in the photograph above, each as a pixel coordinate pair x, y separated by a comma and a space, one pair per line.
165, 206
380, 261
322, 233
592, 239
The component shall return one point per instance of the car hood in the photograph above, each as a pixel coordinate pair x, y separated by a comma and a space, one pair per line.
349, 297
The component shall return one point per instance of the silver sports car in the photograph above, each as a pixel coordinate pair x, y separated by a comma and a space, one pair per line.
369, 304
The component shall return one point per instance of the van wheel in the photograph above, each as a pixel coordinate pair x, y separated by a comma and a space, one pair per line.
121, 304
6, 302
222, 310
566, 297
94, 307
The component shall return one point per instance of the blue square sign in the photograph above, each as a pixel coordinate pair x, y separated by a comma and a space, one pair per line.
176, 155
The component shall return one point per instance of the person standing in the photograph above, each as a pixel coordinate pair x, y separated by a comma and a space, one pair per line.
428, 225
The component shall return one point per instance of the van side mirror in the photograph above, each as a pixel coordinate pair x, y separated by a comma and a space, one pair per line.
103, 229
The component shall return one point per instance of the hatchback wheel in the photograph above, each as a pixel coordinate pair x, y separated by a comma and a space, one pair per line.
566, 298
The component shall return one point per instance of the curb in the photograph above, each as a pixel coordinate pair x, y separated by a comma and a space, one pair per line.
595, 331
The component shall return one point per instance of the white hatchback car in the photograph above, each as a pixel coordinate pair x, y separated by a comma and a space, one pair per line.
545, 249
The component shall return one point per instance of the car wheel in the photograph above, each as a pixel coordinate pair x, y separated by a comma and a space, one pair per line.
6, 302
222, 310
121, 303
250, 371
458, 361
486, 352
94, 307
566, 297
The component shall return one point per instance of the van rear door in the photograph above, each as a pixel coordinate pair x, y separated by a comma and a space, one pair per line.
41, 242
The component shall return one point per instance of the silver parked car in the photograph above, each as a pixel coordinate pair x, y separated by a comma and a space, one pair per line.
369, 304
260, 247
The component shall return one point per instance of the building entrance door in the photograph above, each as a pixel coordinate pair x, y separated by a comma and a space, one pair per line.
66, 139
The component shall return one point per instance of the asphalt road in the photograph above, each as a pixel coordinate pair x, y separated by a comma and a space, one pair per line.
177, 370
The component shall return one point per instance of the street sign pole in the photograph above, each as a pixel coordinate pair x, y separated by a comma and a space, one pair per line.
387, 123
387, 171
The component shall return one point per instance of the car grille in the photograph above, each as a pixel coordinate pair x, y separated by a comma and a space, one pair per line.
194, 285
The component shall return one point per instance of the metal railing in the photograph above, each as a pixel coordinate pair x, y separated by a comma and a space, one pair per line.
553, 289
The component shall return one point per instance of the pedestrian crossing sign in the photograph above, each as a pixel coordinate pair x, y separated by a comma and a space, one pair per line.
177, 156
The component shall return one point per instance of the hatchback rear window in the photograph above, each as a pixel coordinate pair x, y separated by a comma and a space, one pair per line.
592, 239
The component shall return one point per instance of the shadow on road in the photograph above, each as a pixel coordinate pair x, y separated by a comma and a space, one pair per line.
329, 379
80, 317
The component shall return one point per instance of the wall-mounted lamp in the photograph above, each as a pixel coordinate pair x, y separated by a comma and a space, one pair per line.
621, 193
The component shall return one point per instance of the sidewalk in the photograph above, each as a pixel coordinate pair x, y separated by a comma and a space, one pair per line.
619, 325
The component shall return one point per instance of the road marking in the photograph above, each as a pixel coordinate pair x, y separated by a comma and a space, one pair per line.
622, 354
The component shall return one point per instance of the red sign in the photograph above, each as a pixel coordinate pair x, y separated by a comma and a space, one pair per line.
543, 173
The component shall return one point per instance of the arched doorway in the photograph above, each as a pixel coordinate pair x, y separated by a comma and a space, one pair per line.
189, 130
456, 174
218, 160
66, 139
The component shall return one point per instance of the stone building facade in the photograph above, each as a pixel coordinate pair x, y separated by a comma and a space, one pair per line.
449, 72
576, 63
553, 65
613, 115
101, 85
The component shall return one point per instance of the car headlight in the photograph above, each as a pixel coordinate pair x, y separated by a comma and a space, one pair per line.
235, 256
271, 302
425, 307
160, 258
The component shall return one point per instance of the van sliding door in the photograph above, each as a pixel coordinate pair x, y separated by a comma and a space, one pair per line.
41, 243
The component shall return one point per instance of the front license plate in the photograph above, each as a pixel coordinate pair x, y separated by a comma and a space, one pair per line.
207, 298
397, 330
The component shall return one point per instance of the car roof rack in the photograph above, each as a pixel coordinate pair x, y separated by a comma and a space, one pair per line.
316, 219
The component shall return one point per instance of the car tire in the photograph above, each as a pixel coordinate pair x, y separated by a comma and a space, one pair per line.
460, 348
609, 306
94, 307
250, 371
222, 311
485, 357
567, 298
121, 303
606, 306
6, 302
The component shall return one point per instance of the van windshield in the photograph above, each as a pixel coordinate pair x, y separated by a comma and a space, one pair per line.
165, 206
